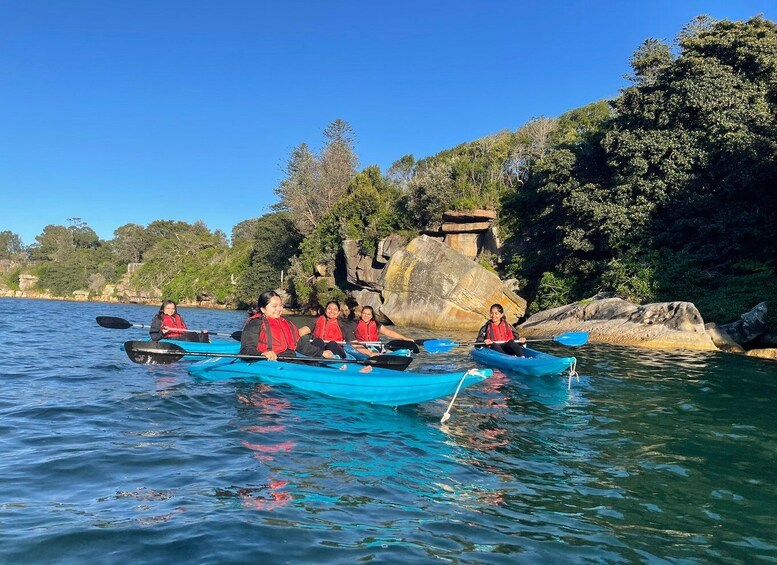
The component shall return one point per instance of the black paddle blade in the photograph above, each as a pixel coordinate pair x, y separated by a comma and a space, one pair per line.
113, 323
237, 336
394, 362
397, 344
153, 352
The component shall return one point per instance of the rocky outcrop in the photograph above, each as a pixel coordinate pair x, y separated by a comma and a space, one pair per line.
770, 353
750, 326
468, 232
665, 325
362, 269
429, 285
722, 340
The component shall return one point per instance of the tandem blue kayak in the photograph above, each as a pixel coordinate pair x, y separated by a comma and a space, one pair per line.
536, 363
379, 386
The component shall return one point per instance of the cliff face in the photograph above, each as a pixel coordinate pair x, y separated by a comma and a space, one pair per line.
427, 284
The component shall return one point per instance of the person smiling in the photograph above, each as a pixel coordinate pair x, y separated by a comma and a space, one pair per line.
369, 330
168, 324
268, 333
501, 336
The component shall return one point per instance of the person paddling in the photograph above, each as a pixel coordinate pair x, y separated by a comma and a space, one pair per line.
369, 330
168, 324
501, 336
330, 331
268, 333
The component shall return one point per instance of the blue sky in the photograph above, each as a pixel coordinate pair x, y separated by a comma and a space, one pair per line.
119, 112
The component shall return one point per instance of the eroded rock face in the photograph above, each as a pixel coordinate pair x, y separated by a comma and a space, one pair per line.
429, 285
750, 326
362, 270
663, 325
722, 340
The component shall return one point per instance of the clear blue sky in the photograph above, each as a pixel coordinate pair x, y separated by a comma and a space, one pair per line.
119, 112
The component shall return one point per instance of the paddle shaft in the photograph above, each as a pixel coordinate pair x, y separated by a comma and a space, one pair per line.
115, 323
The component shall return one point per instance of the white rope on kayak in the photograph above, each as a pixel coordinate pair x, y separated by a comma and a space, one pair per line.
572, 373
447, 415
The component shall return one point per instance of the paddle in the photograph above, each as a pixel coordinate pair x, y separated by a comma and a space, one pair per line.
114, 323
161, 353
570, 339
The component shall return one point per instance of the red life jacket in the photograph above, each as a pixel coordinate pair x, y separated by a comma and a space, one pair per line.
276, 334
499, 332
366, 331
328, 330
173, 323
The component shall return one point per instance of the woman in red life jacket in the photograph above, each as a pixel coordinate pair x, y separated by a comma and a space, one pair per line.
501, 336
329, 331
268, 333
369, 330
168, 324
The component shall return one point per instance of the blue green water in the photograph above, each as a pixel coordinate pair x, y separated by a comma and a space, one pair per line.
653, 456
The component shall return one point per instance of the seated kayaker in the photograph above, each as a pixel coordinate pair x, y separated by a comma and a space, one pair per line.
330, 331
168, 324
369, 330
269, 334
500, 336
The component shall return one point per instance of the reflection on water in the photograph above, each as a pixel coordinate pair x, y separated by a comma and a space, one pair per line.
652, 456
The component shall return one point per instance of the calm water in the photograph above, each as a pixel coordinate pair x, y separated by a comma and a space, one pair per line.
652, 457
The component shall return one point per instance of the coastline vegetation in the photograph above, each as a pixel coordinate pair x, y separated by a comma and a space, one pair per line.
666, 192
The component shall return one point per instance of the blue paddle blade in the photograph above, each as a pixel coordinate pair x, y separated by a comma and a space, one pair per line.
572, 339
439, 345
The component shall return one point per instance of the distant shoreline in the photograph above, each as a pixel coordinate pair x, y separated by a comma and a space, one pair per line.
142, 302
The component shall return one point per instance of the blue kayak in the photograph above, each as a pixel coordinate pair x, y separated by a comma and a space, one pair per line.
379, 386
536, 363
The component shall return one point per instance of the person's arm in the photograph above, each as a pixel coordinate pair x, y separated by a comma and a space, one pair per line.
516, 336
388, 332
482, 334
250, 338
156, 328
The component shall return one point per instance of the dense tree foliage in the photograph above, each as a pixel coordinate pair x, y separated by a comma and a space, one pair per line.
683, 172
274, 242
11, 246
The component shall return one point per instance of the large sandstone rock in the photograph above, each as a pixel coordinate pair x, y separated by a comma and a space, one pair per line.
428, 285
750, 326
361, 269
722, 340
468, 244
388, 246
27, 282
465, 216
664, 325
770, 353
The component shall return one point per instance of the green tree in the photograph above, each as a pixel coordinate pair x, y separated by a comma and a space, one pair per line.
53, 244
130, 242
313, 183
274, 243
11, 246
